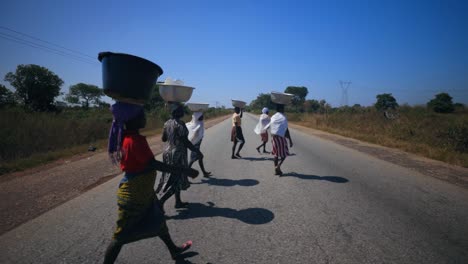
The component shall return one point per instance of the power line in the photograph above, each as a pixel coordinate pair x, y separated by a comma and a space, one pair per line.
46, 48
48, 42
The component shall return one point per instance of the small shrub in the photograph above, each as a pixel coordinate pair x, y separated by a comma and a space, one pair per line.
457, 137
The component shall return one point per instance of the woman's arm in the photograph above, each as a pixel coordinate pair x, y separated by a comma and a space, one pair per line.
190, 146
161, 166
288, 136
164, 136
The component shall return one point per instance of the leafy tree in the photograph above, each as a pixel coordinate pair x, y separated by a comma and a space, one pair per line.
311, 106
103, 104
262, 100
84, 94
459, 105
442, 103
36, 86
6, 96
385, 101
155, 102
300, 93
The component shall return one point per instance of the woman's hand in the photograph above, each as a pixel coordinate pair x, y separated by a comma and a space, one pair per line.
191, 172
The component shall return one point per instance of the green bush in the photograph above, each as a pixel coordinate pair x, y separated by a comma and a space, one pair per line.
456, 137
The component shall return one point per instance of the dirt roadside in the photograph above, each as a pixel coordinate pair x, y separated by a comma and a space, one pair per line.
28, 194
437, 169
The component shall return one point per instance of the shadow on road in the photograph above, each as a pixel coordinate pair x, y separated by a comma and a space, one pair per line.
256, 158
334, 179
228, 182
182, 258
253, 216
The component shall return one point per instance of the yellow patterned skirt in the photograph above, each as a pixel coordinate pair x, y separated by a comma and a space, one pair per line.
139, 214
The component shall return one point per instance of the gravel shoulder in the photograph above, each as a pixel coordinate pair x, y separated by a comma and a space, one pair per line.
437, 169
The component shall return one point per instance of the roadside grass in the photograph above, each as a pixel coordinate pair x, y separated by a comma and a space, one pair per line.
30, 139
442, 137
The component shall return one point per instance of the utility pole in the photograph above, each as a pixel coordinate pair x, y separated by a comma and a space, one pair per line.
344, 92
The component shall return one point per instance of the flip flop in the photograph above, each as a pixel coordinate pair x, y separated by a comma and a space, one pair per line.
277, 172
207, 174
182, 249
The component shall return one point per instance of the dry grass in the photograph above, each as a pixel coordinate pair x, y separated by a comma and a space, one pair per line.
29, 139
442, 137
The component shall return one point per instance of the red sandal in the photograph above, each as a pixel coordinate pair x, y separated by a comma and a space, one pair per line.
182, 249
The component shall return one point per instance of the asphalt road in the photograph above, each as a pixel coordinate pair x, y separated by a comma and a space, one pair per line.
333, 205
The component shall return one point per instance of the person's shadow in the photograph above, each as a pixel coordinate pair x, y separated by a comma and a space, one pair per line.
335, 179
252, 216
182, 259
256, 158
228, 182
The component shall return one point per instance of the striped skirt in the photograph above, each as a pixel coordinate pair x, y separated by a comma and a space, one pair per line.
280, 146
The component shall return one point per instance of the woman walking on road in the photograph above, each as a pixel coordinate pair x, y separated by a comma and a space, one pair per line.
139, 211
260, 129
196, 129
236, 133
279, 132
175, 134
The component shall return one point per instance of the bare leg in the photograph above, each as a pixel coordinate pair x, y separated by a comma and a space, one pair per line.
202, 167
166, 238
264, 147
240, 147
278, 168
281, 162
275, 161
112, 252
179, 203
258, 148
233, 150
166, 196
175, 250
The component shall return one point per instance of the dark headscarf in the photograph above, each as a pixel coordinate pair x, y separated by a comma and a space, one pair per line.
122, 113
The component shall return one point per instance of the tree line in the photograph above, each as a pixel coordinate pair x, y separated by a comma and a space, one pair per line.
442, 102
37, 88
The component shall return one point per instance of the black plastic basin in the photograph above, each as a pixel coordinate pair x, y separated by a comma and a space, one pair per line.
128, 78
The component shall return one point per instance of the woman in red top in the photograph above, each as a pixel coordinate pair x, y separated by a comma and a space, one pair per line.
139, 211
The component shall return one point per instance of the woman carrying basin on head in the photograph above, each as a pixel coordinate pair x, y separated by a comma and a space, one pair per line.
196, 128
236, 132
139, 211
175, 134
263, 121
279, 130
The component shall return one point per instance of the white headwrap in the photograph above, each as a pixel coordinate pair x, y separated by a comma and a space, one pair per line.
265, 110
196, 128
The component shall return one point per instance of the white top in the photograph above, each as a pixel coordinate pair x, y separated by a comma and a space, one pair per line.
278, 124
196, 128
262, 123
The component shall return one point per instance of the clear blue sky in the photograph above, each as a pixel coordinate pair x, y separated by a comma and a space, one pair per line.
238, 49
